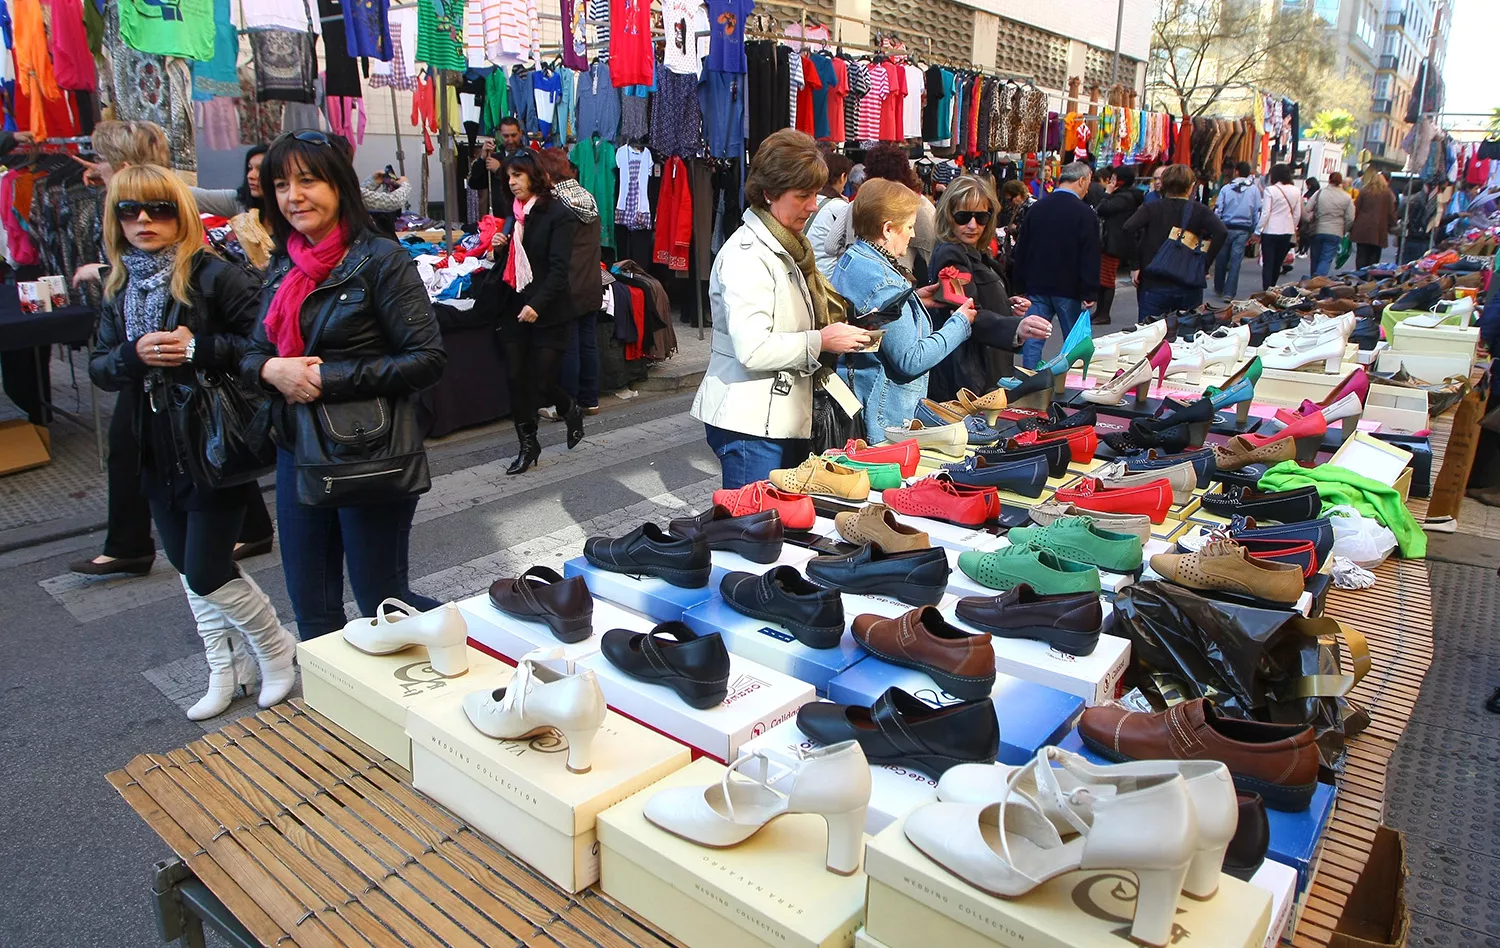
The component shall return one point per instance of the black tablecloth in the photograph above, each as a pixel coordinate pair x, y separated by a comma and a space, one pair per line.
475, 388
24, 338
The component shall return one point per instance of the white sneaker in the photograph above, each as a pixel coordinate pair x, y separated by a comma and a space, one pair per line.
396, 626
1326, 347
1009, 847
1209, 784
1223, 351
833, 782
952, 440
538, 699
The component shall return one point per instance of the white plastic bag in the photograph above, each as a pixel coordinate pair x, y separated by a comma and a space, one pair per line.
1364, 540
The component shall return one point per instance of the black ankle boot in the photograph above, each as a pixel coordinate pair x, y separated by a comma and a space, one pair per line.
574, 418
531, 449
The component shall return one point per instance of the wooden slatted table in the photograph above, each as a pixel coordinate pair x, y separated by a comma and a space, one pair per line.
310, 837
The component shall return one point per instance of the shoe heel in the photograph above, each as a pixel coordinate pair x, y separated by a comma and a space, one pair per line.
1307, 448
1198, 432
1060, 381
762, 553
580, 750
571, 631
1242, 413
1156, 904
1332, 364
1203, 873
450, 661
1141, 391
1351, 425
846, 841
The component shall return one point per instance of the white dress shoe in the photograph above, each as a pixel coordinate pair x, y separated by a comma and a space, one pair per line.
1326, 347
1209, 784
952, 440
1240, 334
1223, 351
1186, 357
833, 782
1318, 326
538, 699
1008, 847
1445, 313
442, 631
1136, 378
1133, 340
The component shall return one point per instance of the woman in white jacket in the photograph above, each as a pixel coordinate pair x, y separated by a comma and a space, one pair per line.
1280, 214
774, 314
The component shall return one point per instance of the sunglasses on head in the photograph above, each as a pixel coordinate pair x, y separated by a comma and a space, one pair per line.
310, 135
962, 218
155, 210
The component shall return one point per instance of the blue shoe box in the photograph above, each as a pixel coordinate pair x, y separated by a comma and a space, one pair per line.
771, 645
651, 597
1031, 716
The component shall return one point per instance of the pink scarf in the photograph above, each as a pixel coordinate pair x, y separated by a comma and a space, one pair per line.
517, 266
310, 266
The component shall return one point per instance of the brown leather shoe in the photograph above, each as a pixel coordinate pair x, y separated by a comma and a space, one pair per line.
961, 663
1277, 761
1238, 452
877, 524
1224, 570
542, 595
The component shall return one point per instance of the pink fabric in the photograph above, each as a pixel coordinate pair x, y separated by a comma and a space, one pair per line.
71, 60
519, 208
310, 266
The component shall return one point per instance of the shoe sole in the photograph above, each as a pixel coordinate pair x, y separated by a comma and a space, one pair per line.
908, 593
1064, 640
683, 578
969, 689
1288, 799
1242, 599
762, 553
567, 631
930, 765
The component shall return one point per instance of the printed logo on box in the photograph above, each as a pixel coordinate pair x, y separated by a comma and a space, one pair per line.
419, 677
743, 686
777, 634
1110, 897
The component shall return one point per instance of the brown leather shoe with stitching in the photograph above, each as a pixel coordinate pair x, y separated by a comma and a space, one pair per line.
962, 663
1277, 761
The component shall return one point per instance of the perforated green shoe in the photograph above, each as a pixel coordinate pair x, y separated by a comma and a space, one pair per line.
883, 476
1042, 571
1081, 540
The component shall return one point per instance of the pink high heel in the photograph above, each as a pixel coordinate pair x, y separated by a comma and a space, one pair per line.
1160, 358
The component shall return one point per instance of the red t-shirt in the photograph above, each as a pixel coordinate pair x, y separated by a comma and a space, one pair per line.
631, 61
810, 81
836, 97
893, 109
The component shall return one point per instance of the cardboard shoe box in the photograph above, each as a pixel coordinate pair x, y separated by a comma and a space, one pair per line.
1094, 677
916, 903
651, 597
511, 637
894, 791
1281, 882
772, 889
521, 794
369, 695
773, 645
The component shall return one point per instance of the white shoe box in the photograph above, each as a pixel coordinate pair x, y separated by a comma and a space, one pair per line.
1094, 677
772, 645
916, 903
1281, 882
521, 794
772, 889
512, 638
894, 791
652, 597
369, 695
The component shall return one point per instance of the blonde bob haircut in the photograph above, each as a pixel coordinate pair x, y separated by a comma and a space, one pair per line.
967, 193
787, 160
131, 143
152, 183
879, 201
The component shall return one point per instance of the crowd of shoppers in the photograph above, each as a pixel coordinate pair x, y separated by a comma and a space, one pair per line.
1057, 257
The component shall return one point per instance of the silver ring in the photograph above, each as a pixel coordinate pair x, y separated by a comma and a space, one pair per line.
157, 347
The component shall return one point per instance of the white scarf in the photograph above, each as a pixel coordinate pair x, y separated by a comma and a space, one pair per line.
520, 265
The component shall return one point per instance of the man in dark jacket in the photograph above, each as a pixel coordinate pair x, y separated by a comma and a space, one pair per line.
1056, 261
488, 171
1416, 221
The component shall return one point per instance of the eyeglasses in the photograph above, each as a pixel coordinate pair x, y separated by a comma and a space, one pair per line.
156, 211
962, 218
310, 135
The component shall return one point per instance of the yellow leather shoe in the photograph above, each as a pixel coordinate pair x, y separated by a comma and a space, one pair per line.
824, 478
1224, 570
990, 405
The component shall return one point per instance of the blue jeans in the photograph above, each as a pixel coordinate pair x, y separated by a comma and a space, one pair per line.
1063, 309
1227, 267
746, 459
579, 373
315, 542
1154, 301
1324, 248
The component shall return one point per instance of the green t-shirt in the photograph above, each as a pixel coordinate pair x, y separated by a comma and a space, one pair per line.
440, 36
183, 28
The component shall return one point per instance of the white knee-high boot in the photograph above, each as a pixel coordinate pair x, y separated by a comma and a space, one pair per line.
245, 605
213, 629
210, 622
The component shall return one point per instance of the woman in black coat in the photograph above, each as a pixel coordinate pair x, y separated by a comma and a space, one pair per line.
536, 323
966, 219
1114, 210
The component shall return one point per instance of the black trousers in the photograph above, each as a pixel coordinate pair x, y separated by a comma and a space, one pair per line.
1273, 251
200, 543
1367, 255
533, 360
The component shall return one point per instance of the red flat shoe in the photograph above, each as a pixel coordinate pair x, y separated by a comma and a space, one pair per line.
938, 498
905, 453
1081, 441
1300, 552
990, 494
1311, 425
796, 510
1152, 499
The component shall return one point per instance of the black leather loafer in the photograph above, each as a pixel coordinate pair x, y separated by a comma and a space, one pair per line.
119, 566
1286, 506
905, 732
1057, 418
695, 666
541, 595
647, 551
1252, 837
813, 614
755, 536
1056, 452
916, 577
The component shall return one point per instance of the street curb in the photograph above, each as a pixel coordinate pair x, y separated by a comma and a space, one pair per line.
668, 381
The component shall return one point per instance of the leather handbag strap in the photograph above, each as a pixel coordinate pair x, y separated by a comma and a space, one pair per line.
888, 719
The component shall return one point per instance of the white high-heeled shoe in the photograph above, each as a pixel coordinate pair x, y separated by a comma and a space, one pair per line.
1009, 847
1209, 785
1187, 358
1137, 377
442, 631
833, 782
1134, 340
538, 699
1326, 347
1317, 327
1221, 337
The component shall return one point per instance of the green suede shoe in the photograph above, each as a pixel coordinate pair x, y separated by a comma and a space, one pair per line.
882, 476
1042, 571
1081, 540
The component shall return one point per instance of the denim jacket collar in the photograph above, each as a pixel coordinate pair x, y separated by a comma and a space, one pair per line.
866, 279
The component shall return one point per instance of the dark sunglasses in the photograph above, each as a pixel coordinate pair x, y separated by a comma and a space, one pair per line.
962, 218
310, 135
155, 210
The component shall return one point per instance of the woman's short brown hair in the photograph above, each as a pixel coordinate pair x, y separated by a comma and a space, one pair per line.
1177, 180
838, 168
555, 163
787, 160
879, 201
131, 143
967, 192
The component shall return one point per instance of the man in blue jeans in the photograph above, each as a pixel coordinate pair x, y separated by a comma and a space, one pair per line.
1056, 261
1238, 206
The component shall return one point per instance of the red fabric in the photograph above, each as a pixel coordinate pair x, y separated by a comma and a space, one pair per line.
71, 60
310, 266
974, 95
674, 217
810, 81
631, 61
424, 108
892, 110
633, 350
1478, 171
836, 96
1184, 153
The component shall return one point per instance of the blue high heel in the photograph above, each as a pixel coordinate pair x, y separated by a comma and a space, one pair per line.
1078, 345
1238, 390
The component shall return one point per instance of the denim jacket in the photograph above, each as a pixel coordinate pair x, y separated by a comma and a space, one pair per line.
891, 381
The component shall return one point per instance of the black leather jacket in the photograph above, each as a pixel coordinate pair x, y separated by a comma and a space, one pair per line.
370, 322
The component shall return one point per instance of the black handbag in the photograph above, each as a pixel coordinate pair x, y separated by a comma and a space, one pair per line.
221, 430
1177, 262
367, 451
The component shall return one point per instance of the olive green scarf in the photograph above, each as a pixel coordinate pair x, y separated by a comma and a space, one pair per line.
828, 305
